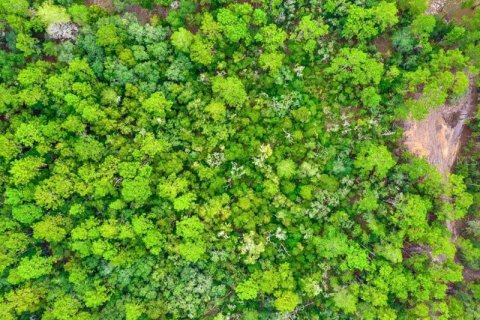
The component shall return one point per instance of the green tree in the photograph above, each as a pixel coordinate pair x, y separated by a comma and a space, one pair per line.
364, 24
66, 308
414, 6
51, 229
27, 44
17, 7
230, 90
352, 72
272, 61
25, 299
50, 14
107, 36
287, 301
192, 232
27, 213
286, 168
346, 300
247, 290
157, 104
375, 158
25, 169
233, 26
271, 37
308, 33
96, 296
136, 190
216, 110
202, 51
182, 39
30, 268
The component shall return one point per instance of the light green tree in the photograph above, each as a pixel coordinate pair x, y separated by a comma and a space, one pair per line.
375, 158
230, 90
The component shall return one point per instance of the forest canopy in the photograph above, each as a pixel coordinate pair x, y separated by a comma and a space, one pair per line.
217, 159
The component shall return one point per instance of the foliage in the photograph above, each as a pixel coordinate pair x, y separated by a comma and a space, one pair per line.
231, 160
352, 72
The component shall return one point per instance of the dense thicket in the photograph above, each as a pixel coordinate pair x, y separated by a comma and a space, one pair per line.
228, 160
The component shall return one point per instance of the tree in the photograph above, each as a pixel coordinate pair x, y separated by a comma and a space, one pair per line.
216, 110
136, 190
192, 232
182, 39
286, 168
346, 300
25, 169
271, 61
353, 72
190, 228
133, 311
30, 268
375, 158
365, 24
201, 51
28, 134
26, 44
184, 202
414, 212
66, 308
27, 213
157, 104
271, 37
234, 27
230, 90
414, 6
308, 33
433, 85
17, 7
96, 296
287, 301
51, 229
423, 25
51, 14
62, 31
25, 299
107, 36
89, 149
247, 290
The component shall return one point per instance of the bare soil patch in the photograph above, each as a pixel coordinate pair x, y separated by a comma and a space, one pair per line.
439, 137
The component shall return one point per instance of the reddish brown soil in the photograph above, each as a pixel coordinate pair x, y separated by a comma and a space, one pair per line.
439, 137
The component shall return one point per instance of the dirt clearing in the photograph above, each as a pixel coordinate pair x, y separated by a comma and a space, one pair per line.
439, 137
